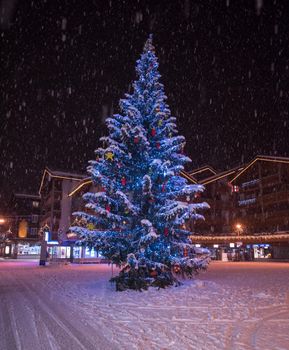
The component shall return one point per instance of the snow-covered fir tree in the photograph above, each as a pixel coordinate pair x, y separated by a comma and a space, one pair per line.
137, 215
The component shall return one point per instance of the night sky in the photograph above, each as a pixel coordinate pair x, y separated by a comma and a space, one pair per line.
65, 64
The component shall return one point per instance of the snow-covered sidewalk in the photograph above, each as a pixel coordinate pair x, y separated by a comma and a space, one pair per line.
232, 306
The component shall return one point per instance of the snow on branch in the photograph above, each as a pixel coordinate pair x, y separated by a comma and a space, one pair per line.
172, 209
132, 208
150, 231
110, 141
146, 184
101, 211
173, 141
188, 189
96, 220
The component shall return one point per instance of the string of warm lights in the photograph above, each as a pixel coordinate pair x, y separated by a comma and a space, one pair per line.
263, 238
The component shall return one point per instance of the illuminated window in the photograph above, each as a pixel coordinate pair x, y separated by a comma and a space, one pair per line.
46, 236
35, 204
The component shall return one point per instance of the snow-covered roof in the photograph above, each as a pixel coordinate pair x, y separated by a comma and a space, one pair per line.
25, 195
263, 159
226, 173
202, 169
188, 177
86, 182
65, 173
60, 174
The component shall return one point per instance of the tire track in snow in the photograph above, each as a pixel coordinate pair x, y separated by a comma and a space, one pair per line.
26, 311
64, 333
8, 339
9, 336
282, 310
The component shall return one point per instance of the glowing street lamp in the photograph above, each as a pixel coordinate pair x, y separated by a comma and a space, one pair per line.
239, 228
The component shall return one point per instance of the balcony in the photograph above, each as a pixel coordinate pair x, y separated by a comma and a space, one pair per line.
247, 202
250, 184
277, 216
274, 197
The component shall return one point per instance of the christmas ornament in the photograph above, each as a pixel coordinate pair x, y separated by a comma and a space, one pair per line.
188, 198
90, 226
160, 123
170, 135
177, 268
153, 132
166, 231
185, 252
123, 181
136, 139
158, 145
109, 155
107, 208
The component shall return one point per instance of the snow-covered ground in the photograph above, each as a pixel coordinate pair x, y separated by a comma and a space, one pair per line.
232, 306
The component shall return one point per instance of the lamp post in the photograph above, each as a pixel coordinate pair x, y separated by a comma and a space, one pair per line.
44, 234
239, 229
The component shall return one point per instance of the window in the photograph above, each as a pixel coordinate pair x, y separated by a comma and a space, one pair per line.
35, 204
34, 219
33, 231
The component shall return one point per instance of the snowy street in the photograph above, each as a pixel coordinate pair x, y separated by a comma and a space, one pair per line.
232, 306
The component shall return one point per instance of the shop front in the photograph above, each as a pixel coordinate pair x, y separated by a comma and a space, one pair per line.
246, 248
262, 251
231, 252
28, 250
7, 249
72, 253
20, 249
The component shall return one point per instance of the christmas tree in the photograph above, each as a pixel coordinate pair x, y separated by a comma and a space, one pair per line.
137, 215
